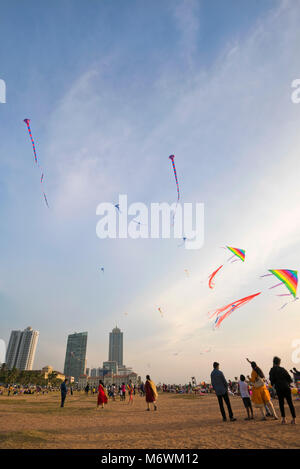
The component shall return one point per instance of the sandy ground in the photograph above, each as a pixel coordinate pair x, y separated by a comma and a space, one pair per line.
180, 422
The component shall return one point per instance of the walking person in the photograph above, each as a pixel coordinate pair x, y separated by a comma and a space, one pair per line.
260, 394
220, 387
102, 397
281, 379
63, 391
151, 393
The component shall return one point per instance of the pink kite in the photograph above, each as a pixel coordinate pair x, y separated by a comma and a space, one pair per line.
211, 277
225, 311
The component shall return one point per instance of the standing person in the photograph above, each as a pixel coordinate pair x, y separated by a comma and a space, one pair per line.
102, 397
130, 392
123, 390
244, 392
280, 378
151, 393
260, 394
220, 386
63, 391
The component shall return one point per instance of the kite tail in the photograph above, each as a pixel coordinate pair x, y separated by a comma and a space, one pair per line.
211, 283
274, 286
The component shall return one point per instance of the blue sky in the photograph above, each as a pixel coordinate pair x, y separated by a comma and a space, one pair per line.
112, 88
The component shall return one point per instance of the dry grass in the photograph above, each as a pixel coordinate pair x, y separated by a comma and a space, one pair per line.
180, 422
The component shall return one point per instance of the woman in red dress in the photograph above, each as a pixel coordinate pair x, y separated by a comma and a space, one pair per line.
102, 397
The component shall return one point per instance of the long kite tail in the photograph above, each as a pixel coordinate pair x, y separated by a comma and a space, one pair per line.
31, 138
225, 311
211, 284
175, 174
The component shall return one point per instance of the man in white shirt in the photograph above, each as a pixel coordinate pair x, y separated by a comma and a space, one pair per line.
244, 391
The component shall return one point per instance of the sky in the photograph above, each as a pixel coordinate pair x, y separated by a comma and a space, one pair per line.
113, 88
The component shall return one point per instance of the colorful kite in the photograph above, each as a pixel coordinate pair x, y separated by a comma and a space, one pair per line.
175, 174
35, 157
187, 272
211, 277
239, 253
161, 313
225, 311
287, 277
31, 138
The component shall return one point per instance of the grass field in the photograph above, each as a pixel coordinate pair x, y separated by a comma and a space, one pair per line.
180, 422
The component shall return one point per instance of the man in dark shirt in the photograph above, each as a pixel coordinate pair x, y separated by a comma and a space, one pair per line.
281, 380
63, 391
220, 386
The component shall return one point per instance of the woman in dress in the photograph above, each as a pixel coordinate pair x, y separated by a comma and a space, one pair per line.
151, 393
260, 394
130, 392
102, 397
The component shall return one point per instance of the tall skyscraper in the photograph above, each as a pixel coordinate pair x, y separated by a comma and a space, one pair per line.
75, 361
116, 346
21, 349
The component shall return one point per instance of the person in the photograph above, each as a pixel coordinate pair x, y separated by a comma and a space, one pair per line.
63, 391
123, 392
296, 374
281, 379
260, 394
130, 392
102, 397
220, 387
244, 392
151, 393
86, 389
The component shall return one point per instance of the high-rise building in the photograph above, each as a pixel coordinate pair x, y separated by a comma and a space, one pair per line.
116, 346
21, 349
75, 361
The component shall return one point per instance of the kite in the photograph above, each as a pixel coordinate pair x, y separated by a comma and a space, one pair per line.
35, 157
175, 174
102, 269
31, 138
117, 206
287, 277
205, 351
211, 277
176, 180
225, 311
161, 313
187, 272
239, 253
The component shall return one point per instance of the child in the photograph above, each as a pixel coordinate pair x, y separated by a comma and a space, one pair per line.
244, 391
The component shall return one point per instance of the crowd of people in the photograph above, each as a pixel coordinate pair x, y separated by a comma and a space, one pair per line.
254, 391
147, 389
